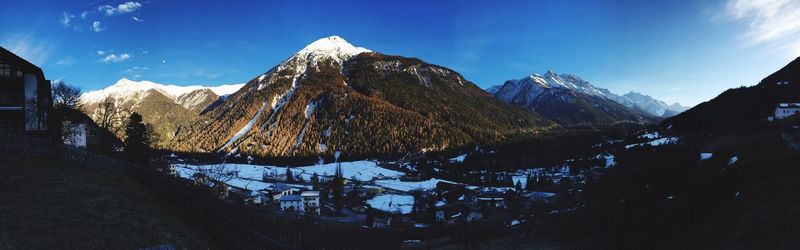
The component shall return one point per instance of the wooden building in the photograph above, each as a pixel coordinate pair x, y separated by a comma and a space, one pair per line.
25, 97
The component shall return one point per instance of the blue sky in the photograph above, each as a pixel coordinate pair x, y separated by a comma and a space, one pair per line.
685, 51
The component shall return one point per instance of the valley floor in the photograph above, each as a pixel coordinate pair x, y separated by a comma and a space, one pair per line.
59, 204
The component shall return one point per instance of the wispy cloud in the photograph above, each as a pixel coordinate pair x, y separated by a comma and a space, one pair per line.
205, 74
33, 49
97, 26
100, 52
66, 19
137, 19
123, 8
136, 71
773, 22
65, 61
768, 19
115, 58
85, 14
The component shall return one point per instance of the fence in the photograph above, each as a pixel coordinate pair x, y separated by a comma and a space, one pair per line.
25, 145
232, 224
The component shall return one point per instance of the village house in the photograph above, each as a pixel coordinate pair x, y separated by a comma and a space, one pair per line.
786, 109
82, 132
25, 97
281, 190
491, 199
311, 202
292, 203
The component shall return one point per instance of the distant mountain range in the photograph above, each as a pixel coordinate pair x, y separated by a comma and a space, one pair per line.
166, 107
570, 100
332, 96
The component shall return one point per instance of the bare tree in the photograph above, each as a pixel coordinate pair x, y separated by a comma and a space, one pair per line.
218, 172
70, 132
65, 95
66, 100
111, 114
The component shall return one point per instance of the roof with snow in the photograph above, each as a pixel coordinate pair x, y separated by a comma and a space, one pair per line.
789, 105
310, 193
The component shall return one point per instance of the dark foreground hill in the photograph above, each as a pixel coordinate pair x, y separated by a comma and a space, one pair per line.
59, 204
738, 107
745, 195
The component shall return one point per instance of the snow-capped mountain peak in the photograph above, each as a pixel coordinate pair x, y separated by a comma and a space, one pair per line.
527, 89
550, 73
332, 47
126, 88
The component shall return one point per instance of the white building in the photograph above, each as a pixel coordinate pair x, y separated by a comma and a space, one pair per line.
292, 203
311, 202
787, 109
281, 190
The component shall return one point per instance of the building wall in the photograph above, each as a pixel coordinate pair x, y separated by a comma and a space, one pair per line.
76, 134
311, 203
298, 205
781, 113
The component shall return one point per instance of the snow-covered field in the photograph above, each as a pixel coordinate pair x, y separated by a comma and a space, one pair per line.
360, 170
403, 186
392, 203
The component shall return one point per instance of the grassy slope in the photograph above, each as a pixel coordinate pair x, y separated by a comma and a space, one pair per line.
57, 204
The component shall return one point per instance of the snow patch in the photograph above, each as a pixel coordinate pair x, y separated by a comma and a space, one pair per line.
402, 204
458, 159
655, 143
733, 160
244, 129
404, 186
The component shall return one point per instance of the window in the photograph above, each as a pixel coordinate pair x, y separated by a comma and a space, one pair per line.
5, 69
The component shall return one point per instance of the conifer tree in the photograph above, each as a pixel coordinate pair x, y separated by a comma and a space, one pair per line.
137, 140
289, 176
315, 181
338, 187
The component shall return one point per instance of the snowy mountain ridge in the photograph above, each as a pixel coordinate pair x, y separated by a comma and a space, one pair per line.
127, 89
527, 89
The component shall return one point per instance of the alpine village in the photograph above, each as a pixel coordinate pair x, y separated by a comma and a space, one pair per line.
341, 147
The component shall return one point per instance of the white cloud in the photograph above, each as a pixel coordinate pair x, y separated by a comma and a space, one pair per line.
138, 19
768, 20
115, 58
100, 52
123, 8
66, 19
84, 14
97, 27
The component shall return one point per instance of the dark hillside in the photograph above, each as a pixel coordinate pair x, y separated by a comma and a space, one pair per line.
737, 107
667, 198
59, 204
